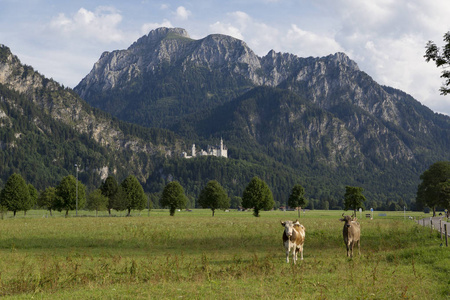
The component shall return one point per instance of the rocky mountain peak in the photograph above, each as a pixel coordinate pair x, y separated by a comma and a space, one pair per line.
157, 35
342, 58
218, 67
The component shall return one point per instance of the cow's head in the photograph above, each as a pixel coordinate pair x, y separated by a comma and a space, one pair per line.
288, 227
348, 220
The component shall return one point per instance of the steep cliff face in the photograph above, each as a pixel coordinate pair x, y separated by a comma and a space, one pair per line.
171, 47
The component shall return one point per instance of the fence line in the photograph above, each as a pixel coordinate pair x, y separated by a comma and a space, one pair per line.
437, 223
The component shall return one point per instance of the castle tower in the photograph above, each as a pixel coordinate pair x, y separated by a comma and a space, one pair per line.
193, 150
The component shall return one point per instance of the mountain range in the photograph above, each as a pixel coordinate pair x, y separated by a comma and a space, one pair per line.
320, 122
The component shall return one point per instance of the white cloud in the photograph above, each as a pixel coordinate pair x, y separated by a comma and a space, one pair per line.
307, 43
147, 27
227, 29
182, 13
100, 25
260, 37
387, 38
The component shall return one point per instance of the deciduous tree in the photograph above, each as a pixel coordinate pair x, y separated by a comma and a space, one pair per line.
135, 196
109, 189
97, 201
444, 195
353, 198
173, 197
66, 194
47, 199
214, 196
235, 202
297, 198
32, 200
442, 59
258, 196
432, 190
15, 195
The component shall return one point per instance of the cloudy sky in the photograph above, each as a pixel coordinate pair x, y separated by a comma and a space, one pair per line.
63, 39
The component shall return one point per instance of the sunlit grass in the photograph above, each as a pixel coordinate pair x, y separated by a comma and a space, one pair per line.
230, 256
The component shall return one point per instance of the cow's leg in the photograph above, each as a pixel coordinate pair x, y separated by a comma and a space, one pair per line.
359, 247
348, 249
301, 252
295, 255
287, 255
351, 249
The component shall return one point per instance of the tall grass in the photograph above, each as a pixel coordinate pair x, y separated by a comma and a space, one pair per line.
230, 256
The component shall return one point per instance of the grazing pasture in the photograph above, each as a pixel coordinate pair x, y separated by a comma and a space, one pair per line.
230, 256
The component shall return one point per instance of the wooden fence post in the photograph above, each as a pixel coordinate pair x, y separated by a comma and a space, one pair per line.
440, 228
431, 226
446, 234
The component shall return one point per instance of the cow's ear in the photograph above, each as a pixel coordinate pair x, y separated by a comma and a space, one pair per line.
342, 220
282, 223
354, 219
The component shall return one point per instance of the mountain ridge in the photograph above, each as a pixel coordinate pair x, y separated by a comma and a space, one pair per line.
347, 119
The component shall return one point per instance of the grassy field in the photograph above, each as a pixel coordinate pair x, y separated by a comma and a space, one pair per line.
230, 256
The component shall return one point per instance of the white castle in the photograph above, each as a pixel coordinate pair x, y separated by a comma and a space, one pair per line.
219, 151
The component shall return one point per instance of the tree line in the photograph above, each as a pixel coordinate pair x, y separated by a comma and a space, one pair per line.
70, 194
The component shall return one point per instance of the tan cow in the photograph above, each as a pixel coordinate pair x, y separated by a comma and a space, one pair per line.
293, 238
351, 233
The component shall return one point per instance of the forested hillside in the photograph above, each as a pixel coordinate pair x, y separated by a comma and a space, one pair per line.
46, 129
291, 138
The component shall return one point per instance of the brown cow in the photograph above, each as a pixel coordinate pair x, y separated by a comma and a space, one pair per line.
351, 233
293, 238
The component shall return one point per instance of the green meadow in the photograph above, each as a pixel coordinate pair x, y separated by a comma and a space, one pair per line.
232, 255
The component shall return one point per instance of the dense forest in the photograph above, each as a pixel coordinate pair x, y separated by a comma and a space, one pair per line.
44, 150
